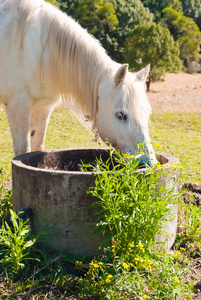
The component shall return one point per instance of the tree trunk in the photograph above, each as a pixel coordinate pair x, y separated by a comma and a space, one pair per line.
148, 82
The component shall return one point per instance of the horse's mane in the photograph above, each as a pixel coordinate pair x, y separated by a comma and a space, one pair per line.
76, 60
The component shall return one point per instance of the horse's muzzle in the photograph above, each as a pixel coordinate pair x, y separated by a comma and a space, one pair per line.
147, 161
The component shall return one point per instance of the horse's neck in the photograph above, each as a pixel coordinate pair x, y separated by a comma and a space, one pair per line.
81, 67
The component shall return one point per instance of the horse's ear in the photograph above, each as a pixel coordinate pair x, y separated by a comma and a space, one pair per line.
143, 74
120, 75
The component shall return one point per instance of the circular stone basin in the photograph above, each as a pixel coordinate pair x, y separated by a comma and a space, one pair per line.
52, 185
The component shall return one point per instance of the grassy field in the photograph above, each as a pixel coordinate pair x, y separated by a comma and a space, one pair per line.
178, 134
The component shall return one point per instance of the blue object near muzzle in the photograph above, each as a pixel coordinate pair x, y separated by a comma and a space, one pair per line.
145, 161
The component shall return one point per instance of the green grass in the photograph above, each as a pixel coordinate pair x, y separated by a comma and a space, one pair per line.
6, 148
179, 134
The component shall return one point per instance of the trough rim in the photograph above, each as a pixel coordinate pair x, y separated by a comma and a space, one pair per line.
18, 160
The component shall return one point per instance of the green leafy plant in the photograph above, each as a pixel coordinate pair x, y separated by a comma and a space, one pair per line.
189, 227
15, 243
133, 207
5, 199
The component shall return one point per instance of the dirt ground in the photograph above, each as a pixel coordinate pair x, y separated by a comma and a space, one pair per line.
178, 92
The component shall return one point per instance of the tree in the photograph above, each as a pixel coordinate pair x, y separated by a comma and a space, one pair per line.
97, 16
157, 6
110, 21
152, 43
191, 8
186, 32
53, 2
129, 13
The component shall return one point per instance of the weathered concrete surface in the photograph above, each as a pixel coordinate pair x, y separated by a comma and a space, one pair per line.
169, 179
58, 198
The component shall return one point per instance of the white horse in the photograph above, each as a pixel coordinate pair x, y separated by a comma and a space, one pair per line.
44, 56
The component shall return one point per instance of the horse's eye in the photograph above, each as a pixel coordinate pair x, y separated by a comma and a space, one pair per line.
121, 116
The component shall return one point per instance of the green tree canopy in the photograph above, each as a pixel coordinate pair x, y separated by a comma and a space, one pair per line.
98, 16
129, 13
152, 43
186, 32
110, 21
191, 8
157, 6
53, 2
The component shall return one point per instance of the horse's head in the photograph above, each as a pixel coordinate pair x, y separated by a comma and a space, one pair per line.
123, 113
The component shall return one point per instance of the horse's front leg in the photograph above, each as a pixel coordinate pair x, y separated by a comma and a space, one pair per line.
40, 116
18, 111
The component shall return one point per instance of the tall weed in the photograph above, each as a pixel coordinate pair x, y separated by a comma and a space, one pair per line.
5, 199
133, 207
15, 244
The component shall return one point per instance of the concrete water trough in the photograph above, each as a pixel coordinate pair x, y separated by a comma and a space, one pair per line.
52, 185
